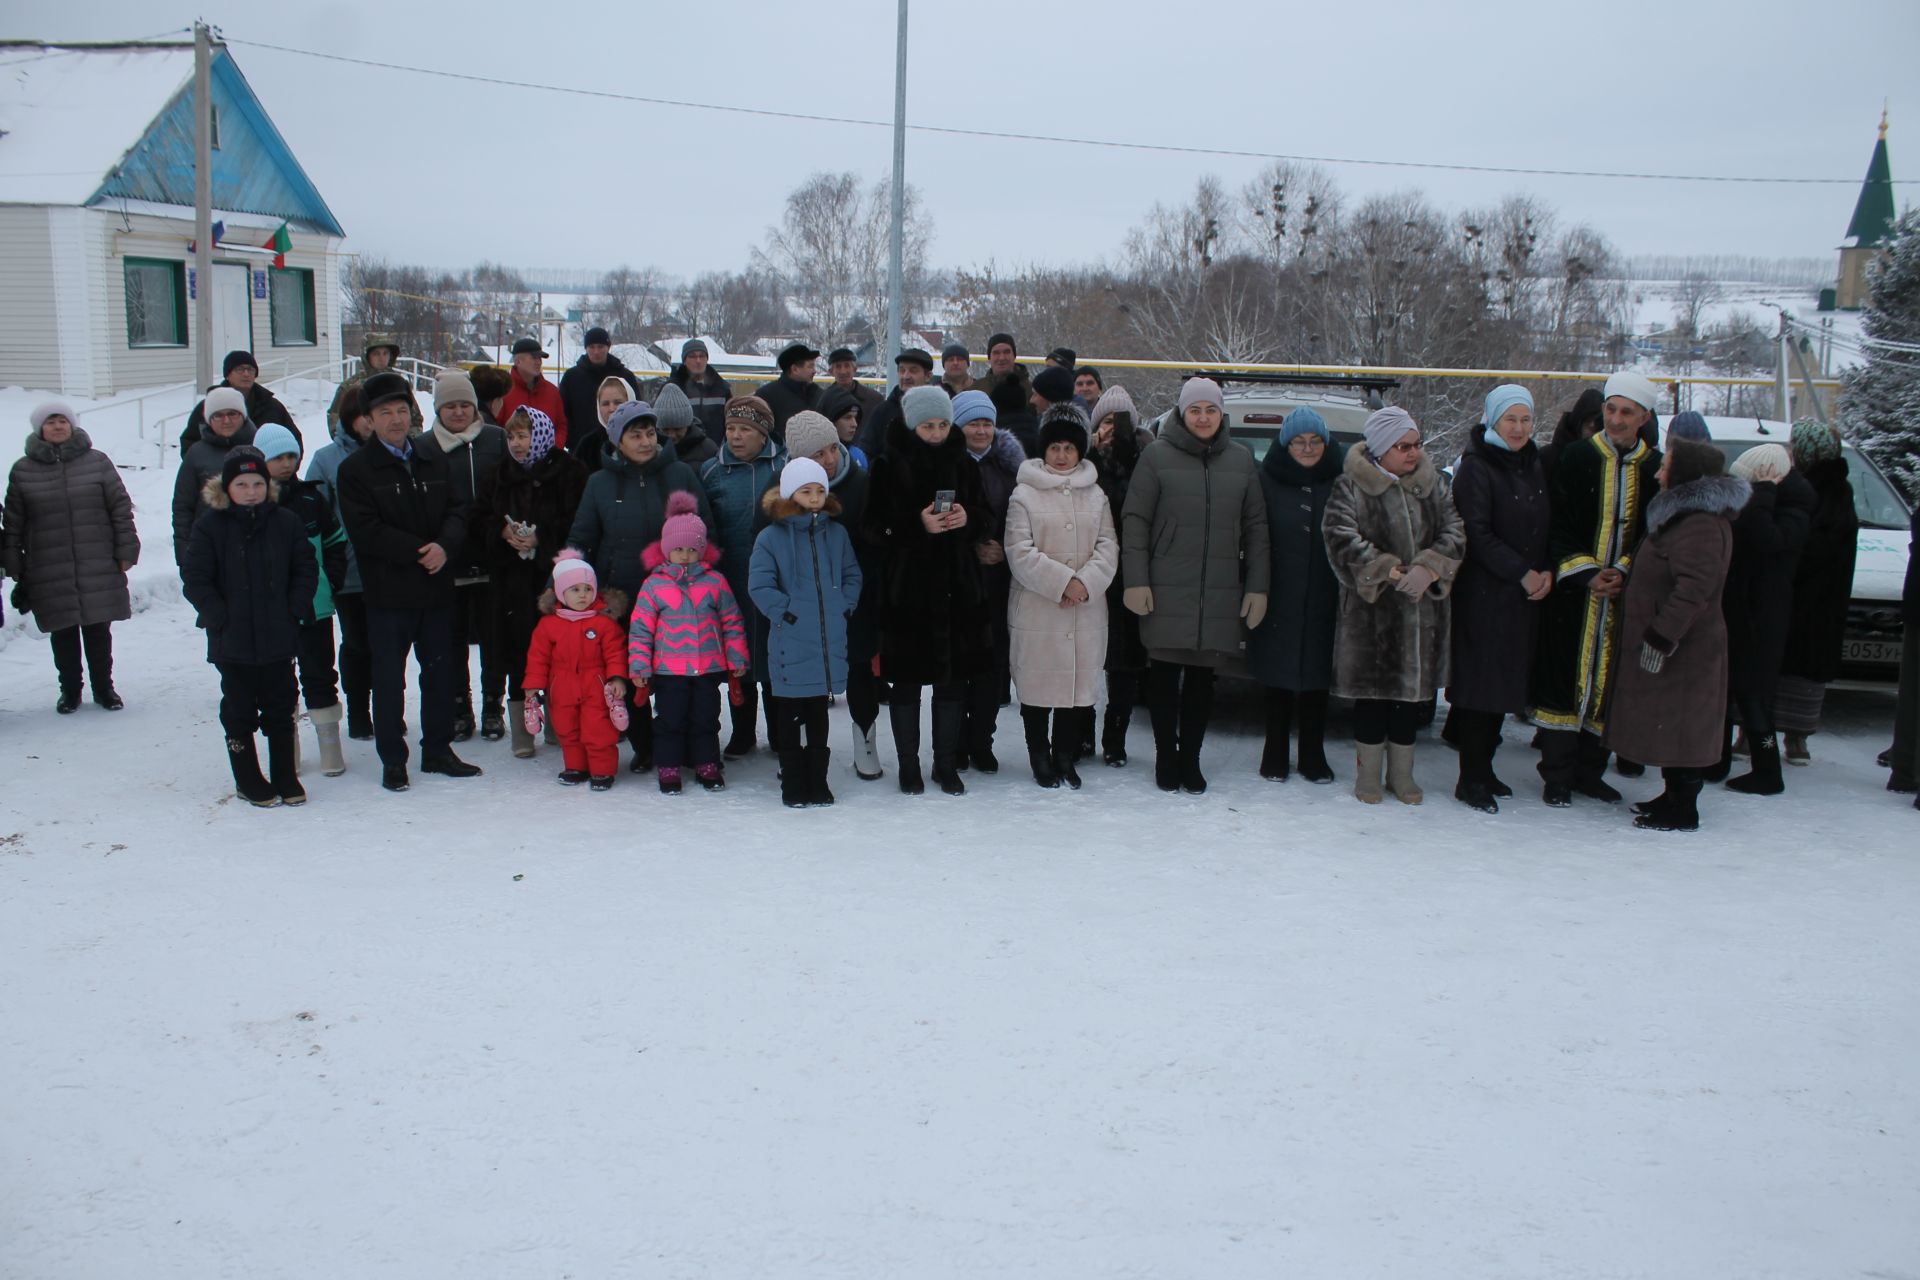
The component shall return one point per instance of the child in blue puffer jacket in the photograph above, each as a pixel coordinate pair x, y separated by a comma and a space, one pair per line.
805, 580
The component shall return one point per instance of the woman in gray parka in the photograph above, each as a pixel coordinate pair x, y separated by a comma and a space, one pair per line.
69, 543
1194, 555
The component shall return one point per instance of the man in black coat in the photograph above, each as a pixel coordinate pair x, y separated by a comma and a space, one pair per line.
913, 368
398, 506
844, 369
703, 387
580, 386
794, 389
241, 372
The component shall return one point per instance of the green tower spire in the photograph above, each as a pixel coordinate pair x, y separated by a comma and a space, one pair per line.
1873, 214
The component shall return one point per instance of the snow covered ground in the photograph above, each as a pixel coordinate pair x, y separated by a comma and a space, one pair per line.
500, 1029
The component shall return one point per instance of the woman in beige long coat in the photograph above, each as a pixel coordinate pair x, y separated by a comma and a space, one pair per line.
1062, 550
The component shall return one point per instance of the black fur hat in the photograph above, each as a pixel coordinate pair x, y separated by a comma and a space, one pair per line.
1064, 422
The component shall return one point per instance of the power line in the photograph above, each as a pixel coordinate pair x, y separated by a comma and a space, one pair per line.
953, 131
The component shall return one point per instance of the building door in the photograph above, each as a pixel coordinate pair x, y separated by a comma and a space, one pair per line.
232, 309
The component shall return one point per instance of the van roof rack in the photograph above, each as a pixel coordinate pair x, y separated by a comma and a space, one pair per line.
1363, 381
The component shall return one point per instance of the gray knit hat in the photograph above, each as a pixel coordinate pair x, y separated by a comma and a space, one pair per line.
1385, 427
808, 433
223, 400
1113, 400
672, 409
924, 404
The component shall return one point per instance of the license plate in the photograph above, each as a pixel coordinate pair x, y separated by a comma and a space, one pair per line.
1878, 653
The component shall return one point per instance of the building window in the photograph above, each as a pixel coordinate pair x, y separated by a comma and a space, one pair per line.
292, 309
156, 303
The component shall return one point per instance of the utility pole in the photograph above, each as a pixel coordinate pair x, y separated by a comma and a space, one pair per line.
896, 252
203, 205
1785, 387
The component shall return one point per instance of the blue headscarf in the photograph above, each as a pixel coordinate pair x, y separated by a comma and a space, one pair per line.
1499, 400
1300, 422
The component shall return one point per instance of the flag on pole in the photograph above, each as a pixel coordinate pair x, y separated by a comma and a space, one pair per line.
279, 242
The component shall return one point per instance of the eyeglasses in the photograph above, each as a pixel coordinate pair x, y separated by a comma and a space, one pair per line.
1307, 441
1405, 447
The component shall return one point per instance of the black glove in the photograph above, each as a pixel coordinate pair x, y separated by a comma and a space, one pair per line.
22, 603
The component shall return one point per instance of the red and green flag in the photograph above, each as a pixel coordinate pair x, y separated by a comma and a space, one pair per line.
279, 242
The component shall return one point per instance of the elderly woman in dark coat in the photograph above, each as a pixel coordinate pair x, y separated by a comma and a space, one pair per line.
926, 508
1669, 703
1194, 554
69, 543
1822, 585
1291, 652
1118, 441
1758, 602
1500, 490
1395, 541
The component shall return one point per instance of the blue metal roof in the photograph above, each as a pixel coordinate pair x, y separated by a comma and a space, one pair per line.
254, 171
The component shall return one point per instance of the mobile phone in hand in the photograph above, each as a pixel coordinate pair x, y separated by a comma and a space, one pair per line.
942, 501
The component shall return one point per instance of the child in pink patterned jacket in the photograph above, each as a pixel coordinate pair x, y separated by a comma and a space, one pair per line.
686, 637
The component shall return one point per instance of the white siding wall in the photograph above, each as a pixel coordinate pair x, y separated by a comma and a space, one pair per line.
77, 299
29, 342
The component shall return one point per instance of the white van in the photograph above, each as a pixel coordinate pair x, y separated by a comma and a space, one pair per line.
1870, 652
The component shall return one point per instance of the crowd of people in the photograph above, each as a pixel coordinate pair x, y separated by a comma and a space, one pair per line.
626, 557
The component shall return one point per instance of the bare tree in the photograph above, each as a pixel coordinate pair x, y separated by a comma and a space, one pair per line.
831, 250
629, 303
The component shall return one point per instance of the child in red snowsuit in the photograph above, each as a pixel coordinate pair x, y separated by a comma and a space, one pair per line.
576, 668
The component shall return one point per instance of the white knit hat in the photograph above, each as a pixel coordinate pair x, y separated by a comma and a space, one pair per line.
799, 472
47, 409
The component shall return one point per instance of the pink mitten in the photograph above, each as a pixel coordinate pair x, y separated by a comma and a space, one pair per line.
530, 714
616, 707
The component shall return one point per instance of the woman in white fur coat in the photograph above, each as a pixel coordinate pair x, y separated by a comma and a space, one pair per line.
1063, 552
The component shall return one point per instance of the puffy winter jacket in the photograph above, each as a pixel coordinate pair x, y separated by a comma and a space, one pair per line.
69, 527
805, 579
570, 659
1195, 530
1059, 527
251, 575
734, 490
323, 469
685, 622
311, 506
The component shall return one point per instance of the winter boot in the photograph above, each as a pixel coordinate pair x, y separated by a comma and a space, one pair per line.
517, 726
793, 780
949, 733
980, 716
1368, 757
572, 777
359, 719
866, 754
818, 760
1764, 778
283, 764
601, 782
1273, 757
449, 765
1311, 711
106, 699
1678, 809
326, 730
248, 783
1400, 773
1476, 795
741, 742
669, 778
1196, 708
1796, 749
904, 715
68, 702
1113, 736
709, 777
463, 718
1069, 730
1039, 752
1629, 768
493, 721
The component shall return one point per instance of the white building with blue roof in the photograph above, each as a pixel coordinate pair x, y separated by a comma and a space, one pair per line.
97, 223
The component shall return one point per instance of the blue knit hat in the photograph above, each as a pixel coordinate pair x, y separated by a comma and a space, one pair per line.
1302, 422
972, 406
626, 415
1688, 425
274, 440
925, 404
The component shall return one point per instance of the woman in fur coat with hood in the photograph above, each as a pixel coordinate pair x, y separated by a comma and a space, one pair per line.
1670, 703
1063, 553
1396, 542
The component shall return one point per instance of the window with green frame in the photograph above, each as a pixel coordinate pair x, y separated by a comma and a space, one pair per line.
291, 311
156, 302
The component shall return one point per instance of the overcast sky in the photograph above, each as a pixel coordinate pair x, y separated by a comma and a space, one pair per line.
446, 173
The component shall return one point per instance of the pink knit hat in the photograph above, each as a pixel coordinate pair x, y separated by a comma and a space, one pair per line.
570, 568
684, 527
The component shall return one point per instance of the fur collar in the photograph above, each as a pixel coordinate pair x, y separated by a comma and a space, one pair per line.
611, 601
214, 494
1709, 495
1372, 481
1035, 474
66, 451
779, 508
1005, 453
